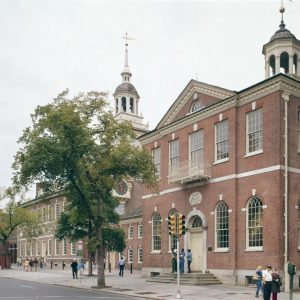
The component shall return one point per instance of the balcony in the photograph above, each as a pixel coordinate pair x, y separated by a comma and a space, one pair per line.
187, 172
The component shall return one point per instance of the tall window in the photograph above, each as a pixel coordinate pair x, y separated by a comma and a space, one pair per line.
64, 247
255, 222
56, 247
140, 231
57, 211
298, 224
156, 232
73, 248
196, 148
255, 131
44, 216
172, 238
50, 212
49, 247
299, 130
174, 153
130, 255
222, 225
140, 255
130, 232
221, 148
156, 161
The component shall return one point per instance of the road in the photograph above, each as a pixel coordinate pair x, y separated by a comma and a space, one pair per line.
13, 289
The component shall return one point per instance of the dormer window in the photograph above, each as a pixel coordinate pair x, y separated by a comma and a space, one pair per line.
196, 105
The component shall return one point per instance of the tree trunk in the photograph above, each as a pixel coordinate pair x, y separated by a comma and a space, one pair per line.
90, 270
100, 259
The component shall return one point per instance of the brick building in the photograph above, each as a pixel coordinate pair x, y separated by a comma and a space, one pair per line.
229, 161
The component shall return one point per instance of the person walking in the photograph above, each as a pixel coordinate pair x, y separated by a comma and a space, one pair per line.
35, 264
259, 283
275, 284
174, 261
267, 279
181, 261
31, 264
189, 258
74, 266
121, 266
26, 264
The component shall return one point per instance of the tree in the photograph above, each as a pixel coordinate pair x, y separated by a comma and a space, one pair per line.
76, 145
12, 217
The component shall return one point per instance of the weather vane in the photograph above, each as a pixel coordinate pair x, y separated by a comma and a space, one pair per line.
127, 38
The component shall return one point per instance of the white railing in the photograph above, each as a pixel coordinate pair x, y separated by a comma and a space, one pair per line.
187, 171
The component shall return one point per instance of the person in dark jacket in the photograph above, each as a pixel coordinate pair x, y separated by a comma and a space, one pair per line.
275, 284
259, 283
74, 266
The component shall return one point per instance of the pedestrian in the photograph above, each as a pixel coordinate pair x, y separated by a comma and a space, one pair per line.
80, 268
259, 284
121, 266
35, 263
74, 266
26, 265
174, 261
189, 258
275, 284
267, 279
181, 261
31, 264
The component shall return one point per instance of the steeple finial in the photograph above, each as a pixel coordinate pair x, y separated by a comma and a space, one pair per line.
126, 71
282, 10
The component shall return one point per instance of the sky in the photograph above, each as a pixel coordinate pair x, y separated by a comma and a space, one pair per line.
48, 46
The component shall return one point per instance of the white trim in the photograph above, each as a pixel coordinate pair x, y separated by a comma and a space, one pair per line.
155, 252
221, 250
228, 177
220, 161
251, 249
254, 153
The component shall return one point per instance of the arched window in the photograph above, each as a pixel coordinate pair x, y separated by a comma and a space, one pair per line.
295, 64
272, 65
131, 105
196, 105
298, 224
254, 222
156, 232
284, 63
222, 225
197, 222
172, 238
124, 104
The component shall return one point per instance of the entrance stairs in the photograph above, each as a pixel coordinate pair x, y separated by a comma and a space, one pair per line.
194, 278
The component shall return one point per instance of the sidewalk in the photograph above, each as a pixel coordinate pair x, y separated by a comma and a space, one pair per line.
135, 285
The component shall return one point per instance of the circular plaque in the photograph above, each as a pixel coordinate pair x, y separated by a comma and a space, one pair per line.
195, 198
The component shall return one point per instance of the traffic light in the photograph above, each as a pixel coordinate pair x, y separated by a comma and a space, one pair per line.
181, 224
172, 225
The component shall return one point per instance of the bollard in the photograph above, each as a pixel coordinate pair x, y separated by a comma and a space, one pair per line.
51, 264
63, 265
130, 268
109, 267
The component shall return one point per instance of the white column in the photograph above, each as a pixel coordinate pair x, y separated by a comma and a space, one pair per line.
277, 65
267, 69
127, 104
137, 107
298, 66
291, 64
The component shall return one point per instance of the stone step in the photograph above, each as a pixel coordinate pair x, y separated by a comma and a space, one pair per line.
196, 278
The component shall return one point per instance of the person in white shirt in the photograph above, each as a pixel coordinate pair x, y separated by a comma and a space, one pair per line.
267, 279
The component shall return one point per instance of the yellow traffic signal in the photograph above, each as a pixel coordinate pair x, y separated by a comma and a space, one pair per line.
181, 224
172, 225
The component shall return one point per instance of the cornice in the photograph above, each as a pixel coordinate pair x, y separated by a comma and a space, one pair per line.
188, 91
278, 83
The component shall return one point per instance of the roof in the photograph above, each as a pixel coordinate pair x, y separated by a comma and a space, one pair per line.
126, 87
136, 213
282, 33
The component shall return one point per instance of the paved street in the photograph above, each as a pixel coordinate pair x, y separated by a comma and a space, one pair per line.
131, 285
21, 289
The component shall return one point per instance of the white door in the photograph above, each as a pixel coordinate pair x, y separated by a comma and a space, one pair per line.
196, 246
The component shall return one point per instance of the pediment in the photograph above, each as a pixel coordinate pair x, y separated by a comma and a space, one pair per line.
207, 95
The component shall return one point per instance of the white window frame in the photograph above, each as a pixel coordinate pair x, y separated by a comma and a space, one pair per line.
221, 138
140, 255
174, 153
156, 244
221, 220
49, 247
140, 231
196, 148
254, 115
50, 212
156, 154
56, 247
64, 246
73, 248
44, 214
57, 211
130, 232
130, 255
248, 247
